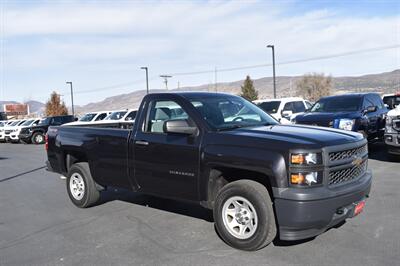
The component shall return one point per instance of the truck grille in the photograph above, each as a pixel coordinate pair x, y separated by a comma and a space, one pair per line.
347, 154
396, 124
7, 132
347, 174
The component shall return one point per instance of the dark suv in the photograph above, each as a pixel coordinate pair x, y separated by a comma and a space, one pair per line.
36, 134
362, 112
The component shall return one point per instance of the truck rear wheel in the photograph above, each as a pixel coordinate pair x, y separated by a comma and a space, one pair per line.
244, 216
81, 187
38, 138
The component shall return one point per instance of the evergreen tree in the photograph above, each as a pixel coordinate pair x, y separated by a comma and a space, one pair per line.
248, 90
55, 106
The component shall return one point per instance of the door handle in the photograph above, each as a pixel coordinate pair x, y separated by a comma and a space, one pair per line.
141, 142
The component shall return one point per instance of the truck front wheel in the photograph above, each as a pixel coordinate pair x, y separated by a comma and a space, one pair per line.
244, 216
81, 187
38, 138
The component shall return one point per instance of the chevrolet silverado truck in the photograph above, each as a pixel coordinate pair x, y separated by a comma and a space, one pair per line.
261, 179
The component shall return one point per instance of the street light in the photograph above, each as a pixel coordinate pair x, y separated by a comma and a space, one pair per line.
72, 97
166, 77
273, 67
147, 78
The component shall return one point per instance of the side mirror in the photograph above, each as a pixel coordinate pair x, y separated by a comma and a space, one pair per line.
286, 114
180, 126
370, 109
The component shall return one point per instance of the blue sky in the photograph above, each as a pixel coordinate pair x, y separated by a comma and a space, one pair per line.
101, 45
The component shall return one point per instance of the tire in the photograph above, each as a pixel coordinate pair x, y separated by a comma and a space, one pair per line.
256, 211
81, 187
38, 138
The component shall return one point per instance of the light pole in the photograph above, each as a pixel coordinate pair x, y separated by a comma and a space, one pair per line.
273, 67
147, 78
72, 97
166, 77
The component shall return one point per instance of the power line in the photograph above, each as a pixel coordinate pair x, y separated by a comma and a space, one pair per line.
288, 62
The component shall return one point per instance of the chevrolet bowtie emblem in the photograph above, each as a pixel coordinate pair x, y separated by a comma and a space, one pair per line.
357, 161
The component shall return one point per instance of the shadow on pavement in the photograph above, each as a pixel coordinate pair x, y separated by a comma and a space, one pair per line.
378, 151
173, 206
21, 174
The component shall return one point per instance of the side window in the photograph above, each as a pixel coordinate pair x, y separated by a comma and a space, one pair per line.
131, 116
101, 116
367, 102
160, 111
377, 101
288, 107
56, 121
298, 107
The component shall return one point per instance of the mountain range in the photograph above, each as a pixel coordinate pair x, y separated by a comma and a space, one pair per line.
387, 82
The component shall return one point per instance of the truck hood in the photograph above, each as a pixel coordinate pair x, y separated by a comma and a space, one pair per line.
296, 136
323, 118
394, 112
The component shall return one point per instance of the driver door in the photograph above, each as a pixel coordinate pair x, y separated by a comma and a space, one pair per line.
166, 164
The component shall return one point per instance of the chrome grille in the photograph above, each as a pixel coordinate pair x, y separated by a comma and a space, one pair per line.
396, 124
347, 174
7, 132
347, 154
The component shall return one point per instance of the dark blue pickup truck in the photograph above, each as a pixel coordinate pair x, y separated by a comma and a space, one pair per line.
362, 112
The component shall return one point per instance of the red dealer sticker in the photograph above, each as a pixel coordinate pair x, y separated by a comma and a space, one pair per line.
359, 207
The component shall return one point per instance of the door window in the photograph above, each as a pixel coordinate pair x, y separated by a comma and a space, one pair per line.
161, 111
131, 116
101, 116
298, 107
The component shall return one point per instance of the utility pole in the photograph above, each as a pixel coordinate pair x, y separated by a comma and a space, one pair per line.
215, 80
147, 79
165, 77
72, 97
273, 67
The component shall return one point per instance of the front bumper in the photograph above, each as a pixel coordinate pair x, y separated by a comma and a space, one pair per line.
305, 213
392, 140
25, 137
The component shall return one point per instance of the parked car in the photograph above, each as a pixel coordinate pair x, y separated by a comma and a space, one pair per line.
2, 125
361, 112
117, 119
13, 135
90, 117
36, 134
259, 177
11, 128
285, 108
391, 100
392, 131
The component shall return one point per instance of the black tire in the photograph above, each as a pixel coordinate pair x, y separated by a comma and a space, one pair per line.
91, 195
38, 138
258, 196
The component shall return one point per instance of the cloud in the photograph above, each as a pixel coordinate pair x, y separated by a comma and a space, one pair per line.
86, 40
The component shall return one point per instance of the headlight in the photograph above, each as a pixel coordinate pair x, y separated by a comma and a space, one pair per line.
305, 179
346, 124
305, 158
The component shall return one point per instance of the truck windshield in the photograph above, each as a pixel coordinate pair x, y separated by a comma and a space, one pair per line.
391, 101
337, 104
27, 123
270, 107
87, 117
45, 121
116, 115
228, 112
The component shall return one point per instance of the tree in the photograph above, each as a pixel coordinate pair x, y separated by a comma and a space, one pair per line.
248, 90
314, 86
54, 106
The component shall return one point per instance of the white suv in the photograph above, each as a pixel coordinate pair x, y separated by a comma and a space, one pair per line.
284, 109
89, 118
392, 131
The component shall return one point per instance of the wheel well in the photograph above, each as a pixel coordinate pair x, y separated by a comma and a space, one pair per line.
219, 177
72, 157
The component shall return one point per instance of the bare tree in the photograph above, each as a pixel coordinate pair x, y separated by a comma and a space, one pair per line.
55, 106
314, 86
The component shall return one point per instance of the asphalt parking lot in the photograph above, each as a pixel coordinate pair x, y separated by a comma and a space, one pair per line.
40, 226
